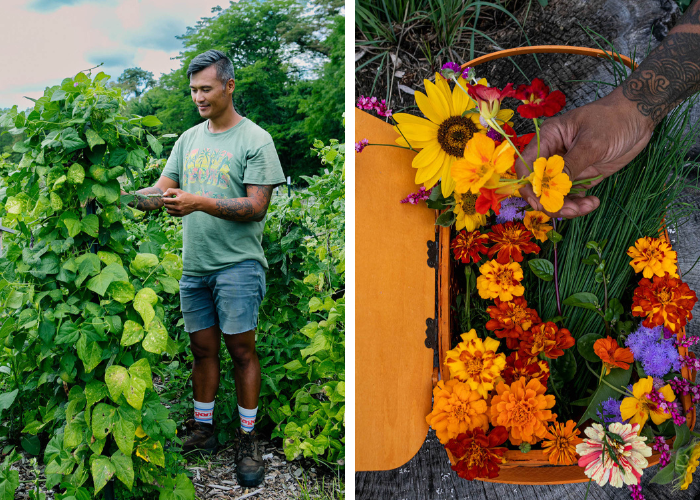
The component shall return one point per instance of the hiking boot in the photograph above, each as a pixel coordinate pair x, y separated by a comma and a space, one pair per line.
250, 469
200, 437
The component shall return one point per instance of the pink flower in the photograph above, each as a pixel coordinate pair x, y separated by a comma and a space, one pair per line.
600, 454
489, 98
359, 146
372, 103
420, 195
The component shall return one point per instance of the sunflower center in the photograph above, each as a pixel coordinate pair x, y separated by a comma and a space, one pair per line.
469, 204
454, 133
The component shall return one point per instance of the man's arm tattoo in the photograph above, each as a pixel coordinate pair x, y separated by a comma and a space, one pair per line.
671, 73
251, 208
148, 203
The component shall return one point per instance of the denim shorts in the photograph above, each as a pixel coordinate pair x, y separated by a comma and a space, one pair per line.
229, 298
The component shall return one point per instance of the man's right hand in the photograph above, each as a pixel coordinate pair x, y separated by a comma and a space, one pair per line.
144, 203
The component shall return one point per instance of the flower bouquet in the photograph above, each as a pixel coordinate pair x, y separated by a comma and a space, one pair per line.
556, 349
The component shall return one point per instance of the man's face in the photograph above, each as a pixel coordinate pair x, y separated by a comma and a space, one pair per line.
210, 96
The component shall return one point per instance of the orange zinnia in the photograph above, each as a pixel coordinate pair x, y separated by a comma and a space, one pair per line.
612, 355
664, 301
529, 368
547, 338
509, 320
500, 280
523, 409
536, 222
511, 239
560, 443
469, 246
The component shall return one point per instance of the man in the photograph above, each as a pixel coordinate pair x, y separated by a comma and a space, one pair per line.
219, 178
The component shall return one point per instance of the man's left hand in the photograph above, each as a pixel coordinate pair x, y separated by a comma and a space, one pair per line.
183, 203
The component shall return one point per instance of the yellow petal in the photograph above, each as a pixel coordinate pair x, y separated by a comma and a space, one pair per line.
505, 114
414, 131
402, 118
427, 156
425, 173
444, 88
668, 393
644, 386
659, 417
438, 100
448, 183
460, 99
427, 108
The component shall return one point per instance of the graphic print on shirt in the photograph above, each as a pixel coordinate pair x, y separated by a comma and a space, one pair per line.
207, 171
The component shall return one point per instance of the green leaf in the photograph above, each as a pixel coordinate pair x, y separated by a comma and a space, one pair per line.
150, 121
315, 304
7, 399
614, 311
90, 353
122, 291
554, 237
143, 264
585, 346
133, 332
180, 488
124, 468
151, 451
135, 392
170, 285
665, 475
107, 193
564, 367
71, 222
113, 272
682, 436
124, 433
102, 471
172, 264
144, 301
95, 391
103, 419
156, 146
76, 174
157, 338
68, 333
583, 299
619, 379
9, 482
73, 434
93, 138
117, 379
31, 445
446, 219
90, 225
542, 268
142, 370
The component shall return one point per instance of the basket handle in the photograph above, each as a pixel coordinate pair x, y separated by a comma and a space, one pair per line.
550, 49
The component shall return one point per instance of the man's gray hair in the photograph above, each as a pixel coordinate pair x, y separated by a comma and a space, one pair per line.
224, 66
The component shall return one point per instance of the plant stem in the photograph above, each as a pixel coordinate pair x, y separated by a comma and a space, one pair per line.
587, 488
404, 137
624, 393
556, 272
467, 273
537, 130
391, 146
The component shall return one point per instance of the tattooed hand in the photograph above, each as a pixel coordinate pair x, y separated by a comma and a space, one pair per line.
183, 203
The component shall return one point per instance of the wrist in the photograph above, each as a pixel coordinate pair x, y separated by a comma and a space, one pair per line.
631, 109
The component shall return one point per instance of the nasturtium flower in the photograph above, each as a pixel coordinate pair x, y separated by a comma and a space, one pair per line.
468, 246
475, 362
528, 368
467, 216
560, 443
511, 240
482, 162
456, 409
489, 98
640, 408
664, 301
441, 137
612, 355
693, 462
550, 183
478, 454
629, 452
536, 222
523, 409
547, 338
653, 257
538, 101
500, 280
510, 320
489, 199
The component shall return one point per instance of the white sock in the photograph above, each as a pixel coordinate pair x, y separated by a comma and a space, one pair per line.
204, 412
247, 418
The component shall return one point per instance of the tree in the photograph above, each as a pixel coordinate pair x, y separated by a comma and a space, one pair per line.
135, 81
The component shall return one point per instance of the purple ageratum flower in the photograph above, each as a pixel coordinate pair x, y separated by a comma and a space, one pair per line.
657, 355
421, 195
610, 411
493, 134
512, 209
359, 146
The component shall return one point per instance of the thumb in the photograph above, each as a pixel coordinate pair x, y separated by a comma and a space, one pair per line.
169, 192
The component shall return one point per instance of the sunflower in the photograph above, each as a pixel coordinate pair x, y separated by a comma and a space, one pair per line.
467, 215
475, 362
560, 443
639, 408
457, 409
664, 301
653, 257
612, 355
693, 463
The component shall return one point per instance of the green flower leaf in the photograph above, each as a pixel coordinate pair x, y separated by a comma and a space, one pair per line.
157, 338
583, 299
133, 332
102, 471
124, 468
117, 379
542, 268
585, 346
144, 301
122, 291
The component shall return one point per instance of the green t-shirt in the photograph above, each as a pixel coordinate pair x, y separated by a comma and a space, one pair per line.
219, 166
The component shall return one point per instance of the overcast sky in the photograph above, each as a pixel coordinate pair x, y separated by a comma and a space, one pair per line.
45, 41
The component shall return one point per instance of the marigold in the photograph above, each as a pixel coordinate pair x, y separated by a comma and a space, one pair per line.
523, 409
630, 454
477, 454
468, 246
547, 338
560, 443
500, 280
482, 162
456, 409
536, 222
639, 408
693, 463
664, 301
550, 183
465, 210
510, 319
538, 101
475, 362
511, 239
612, 355
528, 368
653, 257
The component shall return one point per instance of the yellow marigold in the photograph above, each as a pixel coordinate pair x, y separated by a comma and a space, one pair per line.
456, 409
523, 409
475, 362
482, 161
500, 280
465, 210
560, 443
692, 466
550, 183
536, 222
653, 256
639, 408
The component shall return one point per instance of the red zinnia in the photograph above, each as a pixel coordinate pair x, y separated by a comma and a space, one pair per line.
545, 337
665, 301
511, 319
477, 454
517, 366
511, 240
469, 246
538, 101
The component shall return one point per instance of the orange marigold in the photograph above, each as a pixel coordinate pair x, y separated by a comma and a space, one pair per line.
523, 409
500, 280
477, 453
510, 319
456, 409
612, 355
664, 301
560, 443
469, 246
547, 338
475, 362
536, 222
653, 257
511, 239
529, 368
